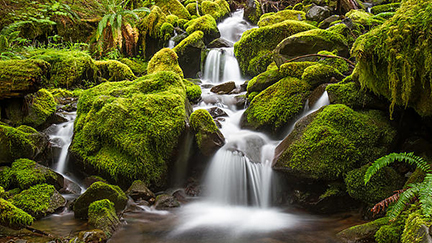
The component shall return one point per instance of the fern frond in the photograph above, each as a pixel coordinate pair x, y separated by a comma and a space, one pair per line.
381, 206
101, 26
404, 199
425, 195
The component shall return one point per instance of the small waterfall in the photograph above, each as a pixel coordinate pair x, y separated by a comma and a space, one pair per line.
171, 42
221, 66
232, 28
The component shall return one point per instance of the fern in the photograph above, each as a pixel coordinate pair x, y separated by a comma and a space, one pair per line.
405, 198
388, 159
425, 195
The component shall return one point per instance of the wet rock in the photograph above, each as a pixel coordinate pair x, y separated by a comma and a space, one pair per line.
224, 88
88, 181
208, 136
220, 43
364, 233
95, 235
102, 215
70, 187
165, 201
189, 53
250, 145
138, 190
98, 191
316, 94
216, 112
240, 101
318, 13
326, 22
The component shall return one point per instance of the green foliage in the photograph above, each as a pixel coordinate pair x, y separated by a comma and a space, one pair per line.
13, 217
164, 60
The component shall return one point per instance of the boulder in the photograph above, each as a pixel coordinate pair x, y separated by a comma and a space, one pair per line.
216, 112
206, 24
138, 190
189, 53
98, 191
165, 201
174, 7
164, 60
113, 70
208, 136
363, 233
318, 13
224, 88
252, 11
324, 24
274, 18
217, 9
220, 43
13, 217
102, 215
193, 91
39, 200
333, 141
318, 74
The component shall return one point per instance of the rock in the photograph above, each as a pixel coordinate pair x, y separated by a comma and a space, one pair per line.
165, 201
70, 187
95, 235
88, 181
224, 88
254, 55
173, 7
326, 22
252, 11
193, 91
263, 80
318, 74
21, 77
364, 18
220, 43
113, 70
216, 112
98, 191
138, 67
274, 18
39, 200
20, 142
102, 215
318, 13
13, 217
208, 136
189, 53
363, 233
332, 141
206, 24
138, 190
316, 94
164, 60
391, 7
216, 9
240, 102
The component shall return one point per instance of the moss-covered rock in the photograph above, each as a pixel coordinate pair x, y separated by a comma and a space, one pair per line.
138, 190
364, 18
274, 107
253, 12
393, 59
68, 68
13, 217
274, 18
350, 33
173, 7
362, 233
318, 74
138, 67
98, 191
294, 69
189, 53
20, 142
194, 39
253, 50
381, 186
25, 173
39, 200
391, 7
333, 141
21, 77
193, 91
164, 60
263, 81
206, 24
41, 106
102, 215
208, 136
128, 130
113, 70
340, 64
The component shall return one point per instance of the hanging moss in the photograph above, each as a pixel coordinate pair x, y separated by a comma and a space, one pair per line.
13, 217
149, 29
164, 60
274, 18
112, 70
173, 7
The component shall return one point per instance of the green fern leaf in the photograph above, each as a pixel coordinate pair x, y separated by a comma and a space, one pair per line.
405, 198
425, 195
102, 25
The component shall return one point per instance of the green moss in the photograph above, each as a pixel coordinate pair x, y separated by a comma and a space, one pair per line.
318, 74
206, 23
413, 224
388, 234
334, 141
128, 130
112, 70
39, 200
102, 215
338, 63
294, 69
363, 18
350, 94
68, 68
211, 8
59, 93
149, 29
385, 15
350, 34
2, 192
224, 6
203, 125
192, 39
254, 13
167, 31
192, 9
193, 91
41, 106
393, 59
277, 105
264, 80
173, 7
391, 7
258, 43
138, 67
13, 217
164, 60
274, 18
381, 186
172, 19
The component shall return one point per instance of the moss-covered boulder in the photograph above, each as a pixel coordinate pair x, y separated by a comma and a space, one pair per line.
102, 215
128, 130
274, 107
189, 53
390, 7
206, 24
138, 67
333, 141
113, 70
164, 60
25, 173
174, 7
363, 232
364, 18
350, 33
217, 9
393, 59
253, 50
20, 142
13, 217
274, 18
252, 11
381, 185
21, 77
263, 81
208, 136
69, 68
139, 190
193, 91
311, 42
39, 200
98, 191
318, 74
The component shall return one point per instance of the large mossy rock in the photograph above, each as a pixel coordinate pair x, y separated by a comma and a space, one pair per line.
102, 215
274, 107
20, 142
217, 9
164, 60
253, 50
208, 136
129, 130
98, 191
39, 200
394, 58
189, 53
362, 233
332, 141
25, 173
174, 7
13, 217
113, 70
206, 24
274, 18
21, 77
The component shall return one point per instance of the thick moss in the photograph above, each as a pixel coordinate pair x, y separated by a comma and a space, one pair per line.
363, 232
21, 142
277, 105
381, 186
68, 68
193, 91
164, 60
172, 19
98, 191
41, 105
413, 232
212, 8
274, 18
253, 50
173, 7
102, 215
391, 7
150, 31
13, 217
333, 141
351, 94
112, 70
338, 63
206, 24
128, 130
318, 74
393, 59
138, 67
39, 200
202, 123
192, 9
294, 69
363, 18
192, 39
263, 81
350, 34
20, 77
